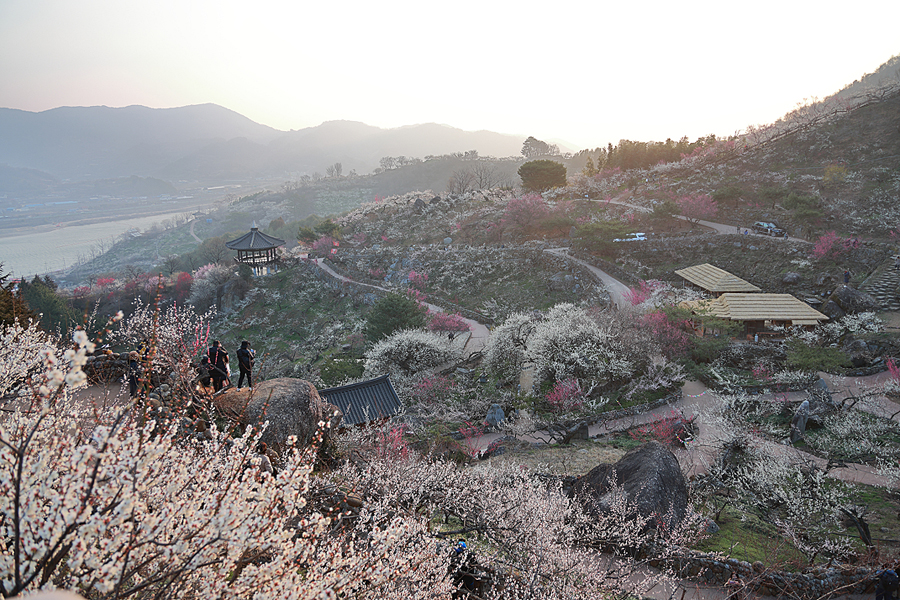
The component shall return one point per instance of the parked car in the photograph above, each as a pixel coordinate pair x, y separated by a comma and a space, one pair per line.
633, 237
767, 229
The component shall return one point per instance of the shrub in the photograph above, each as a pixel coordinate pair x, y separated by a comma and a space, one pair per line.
802, 357
391, 313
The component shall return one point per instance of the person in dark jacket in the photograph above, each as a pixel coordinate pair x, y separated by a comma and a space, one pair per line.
245, 357
218, 360
134, 372
888, 582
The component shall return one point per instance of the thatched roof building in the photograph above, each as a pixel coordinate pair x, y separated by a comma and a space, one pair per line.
715, 280
758, 313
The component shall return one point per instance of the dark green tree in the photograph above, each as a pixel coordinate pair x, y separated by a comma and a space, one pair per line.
328, 227
392, 313
306, 236
541, 175
41, 297
12, 306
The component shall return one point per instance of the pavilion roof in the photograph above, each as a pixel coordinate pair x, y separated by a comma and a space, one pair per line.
254, 240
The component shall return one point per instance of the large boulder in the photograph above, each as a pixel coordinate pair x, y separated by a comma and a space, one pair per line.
832, 310
291, 406
853, 301
651, 479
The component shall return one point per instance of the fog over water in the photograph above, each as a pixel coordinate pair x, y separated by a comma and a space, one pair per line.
48, 251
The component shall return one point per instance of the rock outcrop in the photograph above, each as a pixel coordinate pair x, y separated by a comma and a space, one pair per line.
853, 301
652, 481
292, 407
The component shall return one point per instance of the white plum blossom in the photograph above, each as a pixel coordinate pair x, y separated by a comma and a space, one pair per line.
570, 342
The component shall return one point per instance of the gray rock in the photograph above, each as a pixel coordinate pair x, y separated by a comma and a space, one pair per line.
791, 278
494, 416
292, 407
831, 310
853, 301
651, 479
448, 241
711, 527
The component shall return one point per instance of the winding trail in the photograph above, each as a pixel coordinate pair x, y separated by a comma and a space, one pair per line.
194, 235
478, 332
617, 289
720, 228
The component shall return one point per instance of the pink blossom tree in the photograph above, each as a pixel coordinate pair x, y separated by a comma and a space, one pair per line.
524, 214
697, 207
828, 246
441, 321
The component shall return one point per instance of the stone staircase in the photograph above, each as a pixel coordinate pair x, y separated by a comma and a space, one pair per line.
884, 286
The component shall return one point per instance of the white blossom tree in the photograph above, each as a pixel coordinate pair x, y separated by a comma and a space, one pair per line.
570, 343
408, 352
504, 352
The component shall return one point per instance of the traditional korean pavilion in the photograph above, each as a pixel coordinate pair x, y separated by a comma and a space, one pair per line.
257, 250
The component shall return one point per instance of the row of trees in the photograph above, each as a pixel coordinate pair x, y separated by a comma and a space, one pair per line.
628, 154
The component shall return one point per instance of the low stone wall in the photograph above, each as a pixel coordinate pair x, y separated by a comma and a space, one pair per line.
810, 584
104, 368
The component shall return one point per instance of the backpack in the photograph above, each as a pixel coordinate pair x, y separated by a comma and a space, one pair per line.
889, 579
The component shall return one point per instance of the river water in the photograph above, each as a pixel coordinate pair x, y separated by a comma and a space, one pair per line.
39, 252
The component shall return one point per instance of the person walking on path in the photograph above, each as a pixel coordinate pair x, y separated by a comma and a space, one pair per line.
846, 276
218, 361
245, 356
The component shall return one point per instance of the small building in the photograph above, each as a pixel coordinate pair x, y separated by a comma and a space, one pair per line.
757, 313
257, 250
714, 280
364, 402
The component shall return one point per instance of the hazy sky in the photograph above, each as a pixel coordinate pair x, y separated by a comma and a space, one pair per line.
586, 72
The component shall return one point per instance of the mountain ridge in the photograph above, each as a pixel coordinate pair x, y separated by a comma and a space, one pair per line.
181, 143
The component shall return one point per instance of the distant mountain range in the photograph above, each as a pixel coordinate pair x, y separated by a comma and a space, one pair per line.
207, 143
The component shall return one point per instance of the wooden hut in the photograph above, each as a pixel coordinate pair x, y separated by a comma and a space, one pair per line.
758, 313
257, 250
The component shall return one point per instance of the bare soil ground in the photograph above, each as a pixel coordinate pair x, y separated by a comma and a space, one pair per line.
577, 459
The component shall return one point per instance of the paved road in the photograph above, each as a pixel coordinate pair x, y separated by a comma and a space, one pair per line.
194, 235
617, 289
717, 227
478, 332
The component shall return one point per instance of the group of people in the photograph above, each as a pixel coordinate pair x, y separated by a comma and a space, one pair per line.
218, 368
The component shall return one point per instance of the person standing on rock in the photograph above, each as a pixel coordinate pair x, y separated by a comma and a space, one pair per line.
218, 361
245, 357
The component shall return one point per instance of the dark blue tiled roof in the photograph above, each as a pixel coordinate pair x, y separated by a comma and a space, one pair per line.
364, 401
255, 240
